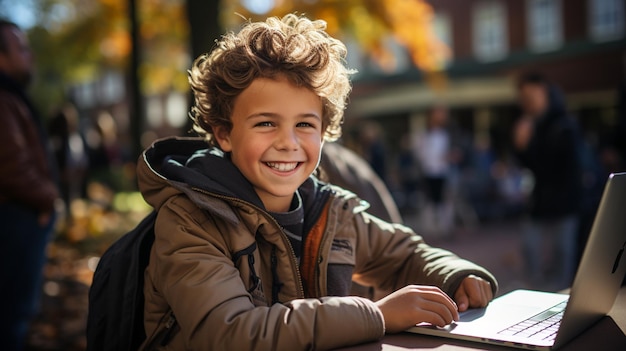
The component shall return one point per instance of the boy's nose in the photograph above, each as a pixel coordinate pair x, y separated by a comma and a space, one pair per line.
287, 140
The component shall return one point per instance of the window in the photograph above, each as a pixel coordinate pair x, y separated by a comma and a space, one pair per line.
606, 19
442, 26
490, 34
544, 27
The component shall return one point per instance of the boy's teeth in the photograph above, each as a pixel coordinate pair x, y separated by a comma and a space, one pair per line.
282, 166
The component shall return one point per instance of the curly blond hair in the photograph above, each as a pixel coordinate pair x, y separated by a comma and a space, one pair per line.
293, 47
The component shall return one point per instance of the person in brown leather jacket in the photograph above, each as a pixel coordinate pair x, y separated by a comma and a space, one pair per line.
252, 250
27, 190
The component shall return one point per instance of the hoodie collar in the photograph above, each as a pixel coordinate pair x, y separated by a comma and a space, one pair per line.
193, 162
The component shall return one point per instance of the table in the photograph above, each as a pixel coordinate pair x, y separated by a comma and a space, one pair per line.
609, 333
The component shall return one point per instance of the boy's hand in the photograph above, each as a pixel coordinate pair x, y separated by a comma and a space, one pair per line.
415, 304
474, 292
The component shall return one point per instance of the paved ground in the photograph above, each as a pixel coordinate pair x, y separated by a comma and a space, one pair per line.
495, 245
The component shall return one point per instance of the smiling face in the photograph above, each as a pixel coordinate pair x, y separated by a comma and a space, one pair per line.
276, 138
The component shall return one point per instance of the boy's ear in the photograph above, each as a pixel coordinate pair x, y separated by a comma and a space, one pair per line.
222, 136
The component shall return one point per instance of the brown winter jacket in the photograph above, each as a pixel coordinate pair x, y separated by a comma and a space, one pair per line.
226, 269
25, 176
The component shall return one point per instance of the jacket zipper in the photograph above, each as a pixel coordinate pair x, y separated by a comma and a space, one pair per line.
320, 253
163, 336
169, 327
269, 217
318, 262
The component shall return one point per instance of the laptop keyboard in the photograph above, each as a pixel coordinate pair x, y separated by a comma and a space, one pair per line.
542, 326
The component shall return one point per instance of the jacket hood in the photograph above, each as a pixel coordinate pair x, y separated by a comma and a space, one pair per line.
190, 165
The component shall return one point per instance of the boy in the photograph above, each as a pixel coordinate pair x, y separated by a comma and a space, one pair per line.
251, 250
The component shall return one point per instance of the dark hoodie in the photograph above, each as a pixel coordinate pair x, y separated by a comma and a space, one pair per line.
553, 156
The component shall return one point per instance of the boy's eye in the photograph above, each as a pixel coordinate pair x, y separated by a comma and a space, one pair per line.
264, 124
315, 124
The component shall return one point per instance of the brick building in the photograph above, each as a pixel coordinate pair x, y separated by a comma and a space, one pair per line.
579, 44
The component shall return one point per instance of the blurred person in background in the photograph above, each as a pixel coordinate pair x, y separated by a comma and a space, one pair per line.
70, 153
27, 190
547, 142
432, 149
373, 149
104, 151
408, 177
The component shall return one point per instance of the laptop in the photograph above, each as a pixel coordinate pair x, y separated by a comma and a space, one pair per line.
545, 320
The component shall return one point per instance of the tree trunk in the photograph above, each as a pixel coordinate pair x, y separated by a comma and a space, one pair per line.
204, 25
136, 113
204, 28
